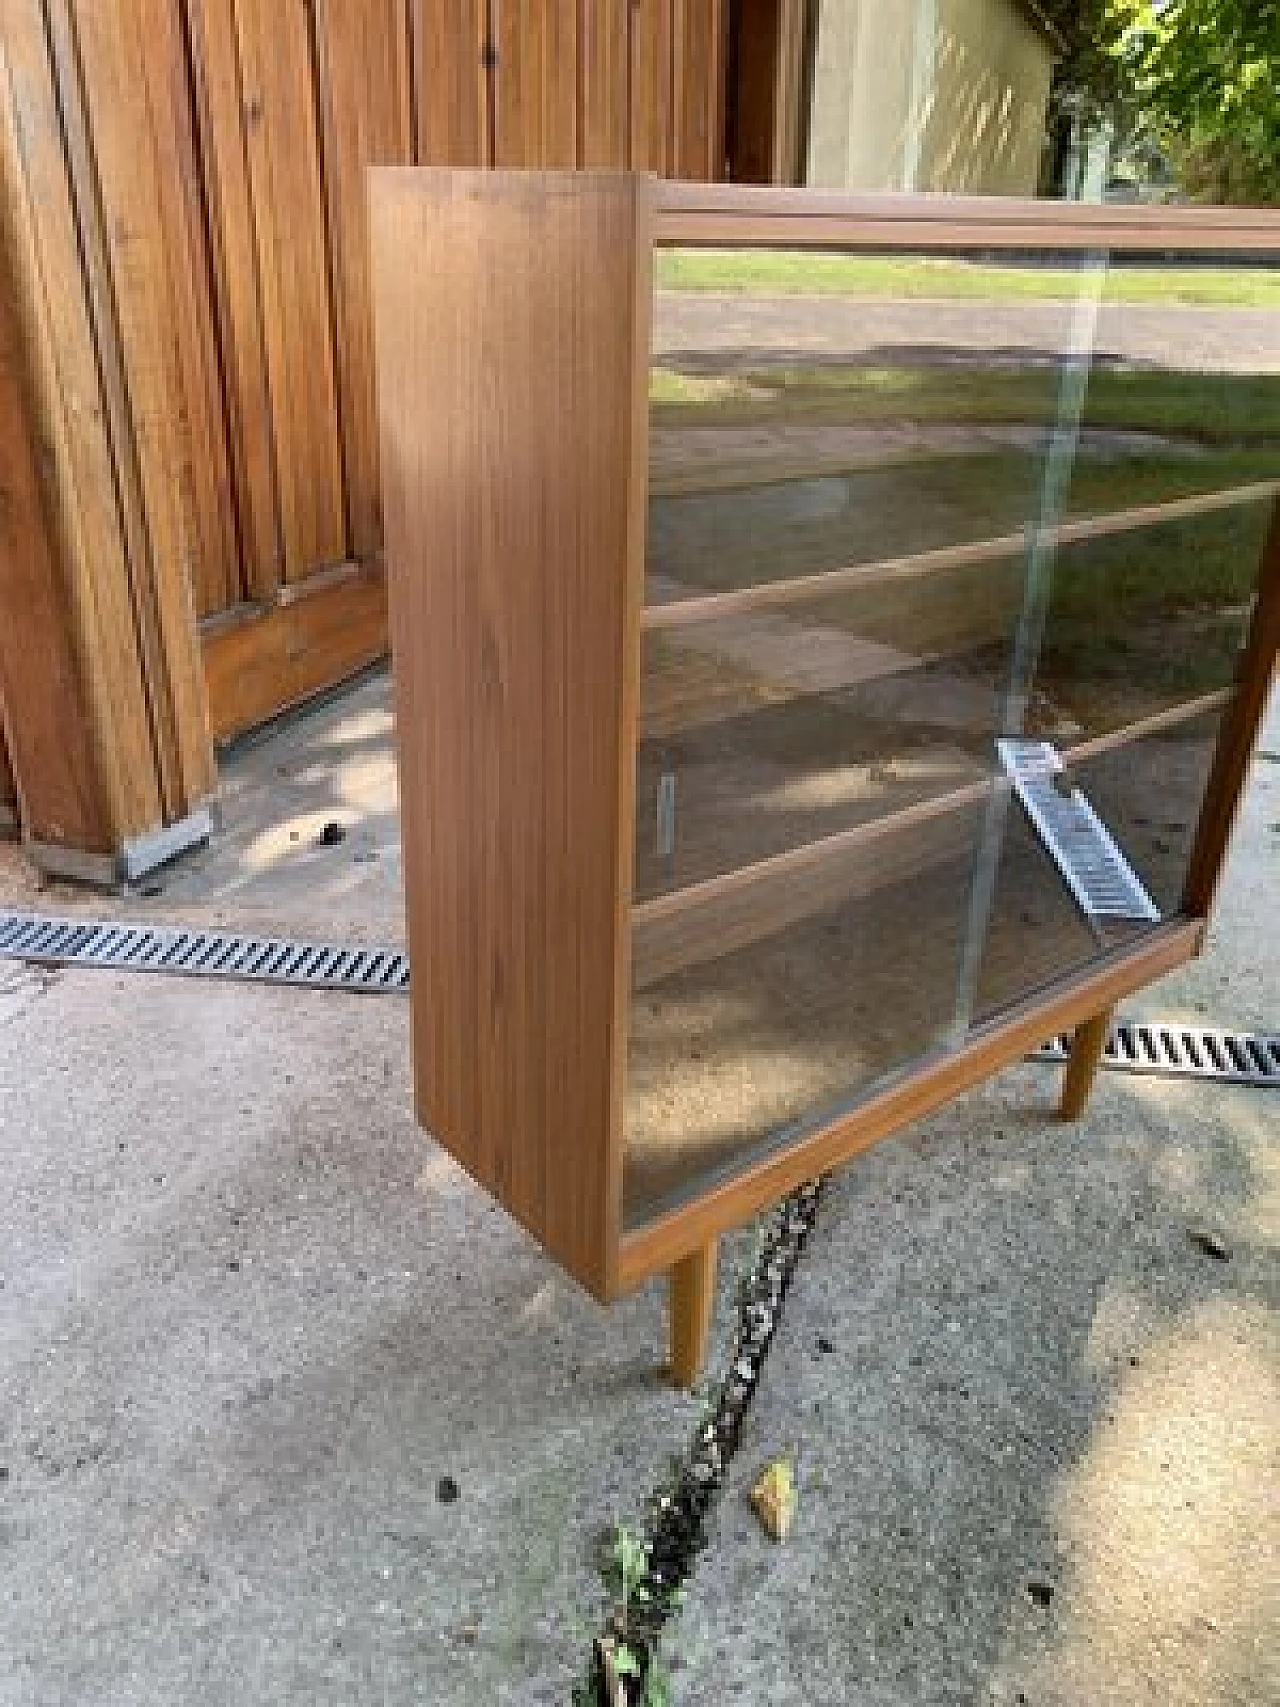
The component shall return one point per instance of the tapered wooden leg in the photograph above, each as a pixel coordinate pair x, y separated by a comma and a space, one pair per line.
693, 1291
1082, 1064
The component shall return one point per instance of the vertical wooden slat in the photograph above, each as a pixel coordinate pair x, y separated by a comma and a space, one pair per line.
451, 82
788, 102
8, 786
94, 596
278, 83
215, 63
364, 103
71, 672
207, 489
652, 147
536, 84
698, 73
751, 145
50, 710
120, 171
603, 93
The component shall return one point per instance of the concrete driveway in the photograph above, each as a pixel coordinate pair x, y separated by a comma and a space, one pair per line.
289, 1413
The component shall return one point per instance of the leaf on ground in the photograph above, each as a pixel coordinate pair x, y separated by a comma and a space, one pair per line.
774, 1499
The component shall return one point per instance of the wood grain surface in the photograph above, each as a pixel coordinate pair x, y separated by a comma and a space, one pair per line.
221, 123
259, 662
1239, 733
47, 705
90, 653
451, 82
117, 158
698, 213
364, 85
282, 130
512, 346
535, 86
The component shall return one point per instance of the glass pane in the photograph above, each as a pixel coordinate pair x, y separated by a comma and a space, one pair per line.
1143, 615
769, 729
898, 530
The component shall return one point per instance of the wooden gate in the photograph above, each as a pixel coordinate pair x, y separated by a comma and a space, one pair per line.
193, 474
228, 140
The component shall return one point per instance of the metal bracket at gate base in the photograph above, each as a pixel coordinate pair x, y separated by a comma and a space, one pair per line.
1196, 1052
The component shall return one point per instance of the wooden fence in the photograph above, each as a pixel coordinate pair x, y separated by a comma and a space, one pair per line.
182, 196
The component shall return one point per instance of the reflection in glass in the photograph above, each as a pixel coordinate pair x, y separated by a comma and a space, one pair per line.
891, 528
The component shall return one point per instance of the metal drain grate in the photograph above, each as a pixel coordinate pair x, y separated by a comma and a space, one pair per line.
1103, 882
1200, 1052
1187, 1052
201, 954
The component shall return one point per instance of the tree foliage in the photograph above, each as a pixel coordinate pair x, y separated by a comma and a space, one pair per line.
1198, 80
1204, 77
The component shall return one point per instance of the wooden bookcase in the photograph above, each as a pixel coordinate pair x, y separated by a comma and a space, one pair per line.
703, 644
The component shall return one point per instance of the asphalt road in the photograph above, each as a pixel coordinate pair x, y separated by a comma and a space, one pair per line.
1186, 339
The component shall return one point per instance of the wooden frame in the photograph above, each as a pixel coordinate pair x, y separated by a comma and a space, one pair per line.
513, 350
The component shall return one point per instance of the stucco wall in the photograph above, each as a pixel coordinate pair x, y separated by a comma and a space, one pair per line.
928, 94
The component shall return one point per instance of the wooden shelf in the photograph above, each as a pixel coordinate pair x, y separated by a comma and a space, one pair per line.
721, 914
772, 595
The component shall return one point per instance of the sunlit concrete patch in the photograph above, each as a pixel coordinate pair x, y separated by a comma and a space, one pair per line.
1004, 1334
1171, 1530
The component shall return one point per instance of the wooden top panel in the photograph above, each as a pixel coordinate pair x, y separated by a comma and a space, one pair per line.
728, 214
511, 318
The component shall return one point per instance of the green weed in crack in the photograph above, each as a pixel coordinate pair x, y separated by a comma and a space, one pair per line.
645, 1571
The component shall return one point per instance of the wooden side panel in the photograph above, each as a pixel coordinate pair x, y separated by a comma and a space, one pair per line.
514, 558
698, 73
603, 84
364, 99
42, 246
535, 84
1239, 733
450, 82
215, 64
652, 48
207, 491
119, 180
277, 73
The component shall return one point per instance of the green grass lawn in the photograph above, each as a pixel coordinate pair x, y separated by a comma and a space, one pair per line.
1209, 409
784, 271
